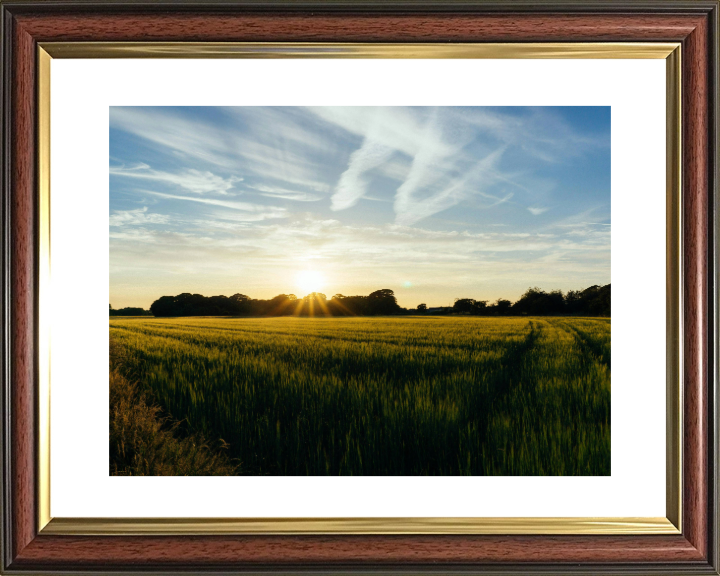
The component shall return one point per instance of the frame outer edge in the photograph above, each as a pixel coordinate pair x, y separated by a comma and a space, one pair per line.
714, 279
377, 6
696, 364
5, 139
712, 257
22, 310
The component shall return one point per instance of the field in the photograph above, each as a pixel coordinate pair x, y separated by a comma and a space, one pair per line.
383, 396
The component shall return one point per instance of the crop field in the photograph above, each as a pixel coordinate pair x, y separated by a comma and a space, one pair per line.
383, 396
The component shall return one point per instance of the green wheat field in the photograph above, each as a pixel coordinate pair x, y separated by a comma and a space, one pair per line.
382, 396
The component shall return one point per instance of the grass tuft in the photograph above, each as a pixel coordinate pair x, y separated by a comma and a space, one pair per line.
144, 443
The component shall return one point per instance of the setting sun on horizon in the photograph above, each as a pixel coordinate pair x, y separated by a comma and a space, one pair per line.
309, 281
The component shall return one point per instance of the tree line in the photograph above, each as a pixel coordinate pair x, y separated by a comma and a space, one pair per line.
129, 312
592, 301
380, 302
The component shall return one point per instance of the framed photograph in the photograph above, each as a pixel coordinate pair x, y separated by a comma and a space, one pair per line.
359, 261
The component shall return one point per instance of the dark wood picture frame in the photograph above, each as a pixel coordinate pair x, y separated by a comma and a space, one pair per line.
693, 23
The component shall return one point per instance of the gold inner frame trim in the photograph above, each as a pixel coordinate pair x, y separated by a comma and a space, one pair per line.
674, 310
289, 526
609, 50
43, 171
521, 525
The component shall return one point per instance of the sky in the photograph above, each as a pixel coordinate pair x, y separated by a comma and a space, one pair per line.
432, 203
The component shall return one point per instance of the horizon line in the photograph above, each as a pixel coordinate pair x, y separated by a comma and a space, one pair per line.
328, 298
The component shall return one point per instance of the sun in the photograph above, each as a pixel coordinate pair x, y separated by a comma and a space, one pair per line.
310, 281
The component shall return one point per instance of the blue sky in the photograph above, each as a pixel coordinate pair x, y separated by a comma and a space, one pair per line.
433, 203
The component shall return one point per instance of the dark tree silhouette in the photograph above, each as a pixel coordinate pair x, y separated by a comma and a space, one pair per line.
129, 312
314, 304
383, 302
503, 307
536, 302
592, 301
469, 306
280, 305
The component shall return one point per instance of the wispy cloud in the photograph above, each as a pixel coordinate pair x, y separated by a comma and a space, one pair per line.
498, 201
541, 132
255, 212
537, 211
196, 181
598, 215
443, 148
170, 130
139, 216
409, 209
457, 263
265, 141
352, 185
285, 194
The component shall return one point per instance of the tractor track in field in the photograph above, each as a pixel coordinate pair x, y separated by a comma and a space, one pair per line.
513, 365
588, 348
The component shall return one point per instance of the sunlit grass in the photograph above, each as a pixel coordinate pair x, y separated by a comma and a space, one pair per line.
384, 396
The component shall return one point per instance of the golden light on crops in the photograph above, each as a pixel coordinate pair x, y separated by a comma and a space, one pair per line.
310, 281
